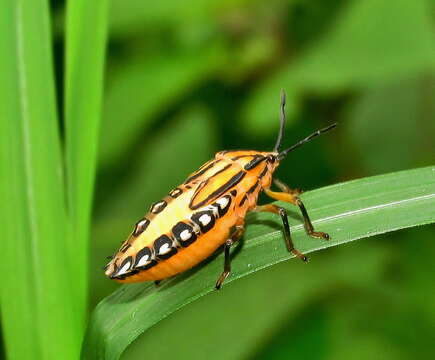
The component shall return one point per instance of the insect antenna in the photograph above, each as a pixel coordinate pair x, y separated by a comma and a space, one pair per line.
282, 122
284, 153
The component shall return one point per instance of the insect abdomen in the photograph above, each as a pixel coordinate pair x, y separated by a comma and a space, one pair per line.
193, 239
186, 258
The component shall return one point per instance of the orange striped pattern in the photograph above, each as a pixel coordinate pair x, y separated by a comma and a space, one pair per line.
155, 250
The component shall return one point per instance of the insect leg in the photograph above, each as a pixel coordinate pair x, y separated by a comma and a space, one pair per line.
288, 240
291, 196
237, 234
285, 188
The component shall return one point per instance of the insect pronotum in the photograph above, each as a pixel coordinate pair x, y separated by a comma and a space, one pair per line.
207, 211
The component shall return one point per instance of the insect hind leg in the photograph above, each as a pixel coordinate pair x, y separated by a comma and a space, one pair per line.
287, 237
292, 196
236, 235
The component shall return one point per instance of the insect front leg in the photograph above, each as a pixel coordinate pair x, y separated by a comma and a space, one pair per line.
292, 197
288, 240
236, 235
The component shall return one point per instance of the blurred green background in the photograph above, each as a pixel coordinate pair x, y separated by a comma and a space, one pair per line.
185, 79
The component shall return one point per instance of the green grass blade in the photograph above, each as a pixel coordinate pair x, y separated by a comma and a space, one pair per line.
36, 300
85, 51
347, 211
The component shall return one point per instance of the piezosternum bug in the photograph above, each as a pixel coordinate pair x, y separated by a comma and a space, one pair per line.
207, 211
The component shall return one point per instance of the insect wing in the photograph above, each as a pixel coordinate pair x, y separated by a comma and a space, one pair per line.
216, 185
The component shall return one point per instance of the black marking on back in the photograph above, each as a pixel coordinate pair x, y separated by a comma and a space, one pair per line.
127, 260
161, 242
141, 226
204, 219
264, 172
222, 210
244, 198
158, 206
125, 247
175, 193
233, 192
115, 270
219, 171
200, 172
182, 227
219, 191
258, 159
252, 188
203, 183
214, 161
150, 262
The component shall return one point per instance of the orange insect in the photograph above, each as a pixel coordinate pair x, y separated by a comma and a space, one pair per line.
207, 211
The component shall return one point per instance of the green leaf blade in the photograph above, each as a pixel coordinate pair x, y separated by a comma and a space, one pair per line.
348, 211
32, 192
85, 53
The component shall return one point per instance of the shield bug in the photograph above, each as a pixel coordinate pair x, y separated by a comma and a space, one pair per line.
207, 211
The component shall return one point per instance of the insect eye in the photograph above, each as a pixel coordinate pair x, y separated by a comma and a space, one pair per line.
271, 158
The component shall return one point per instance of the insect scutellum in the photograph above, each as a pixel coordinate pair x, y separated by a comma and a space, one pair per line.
208, 211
